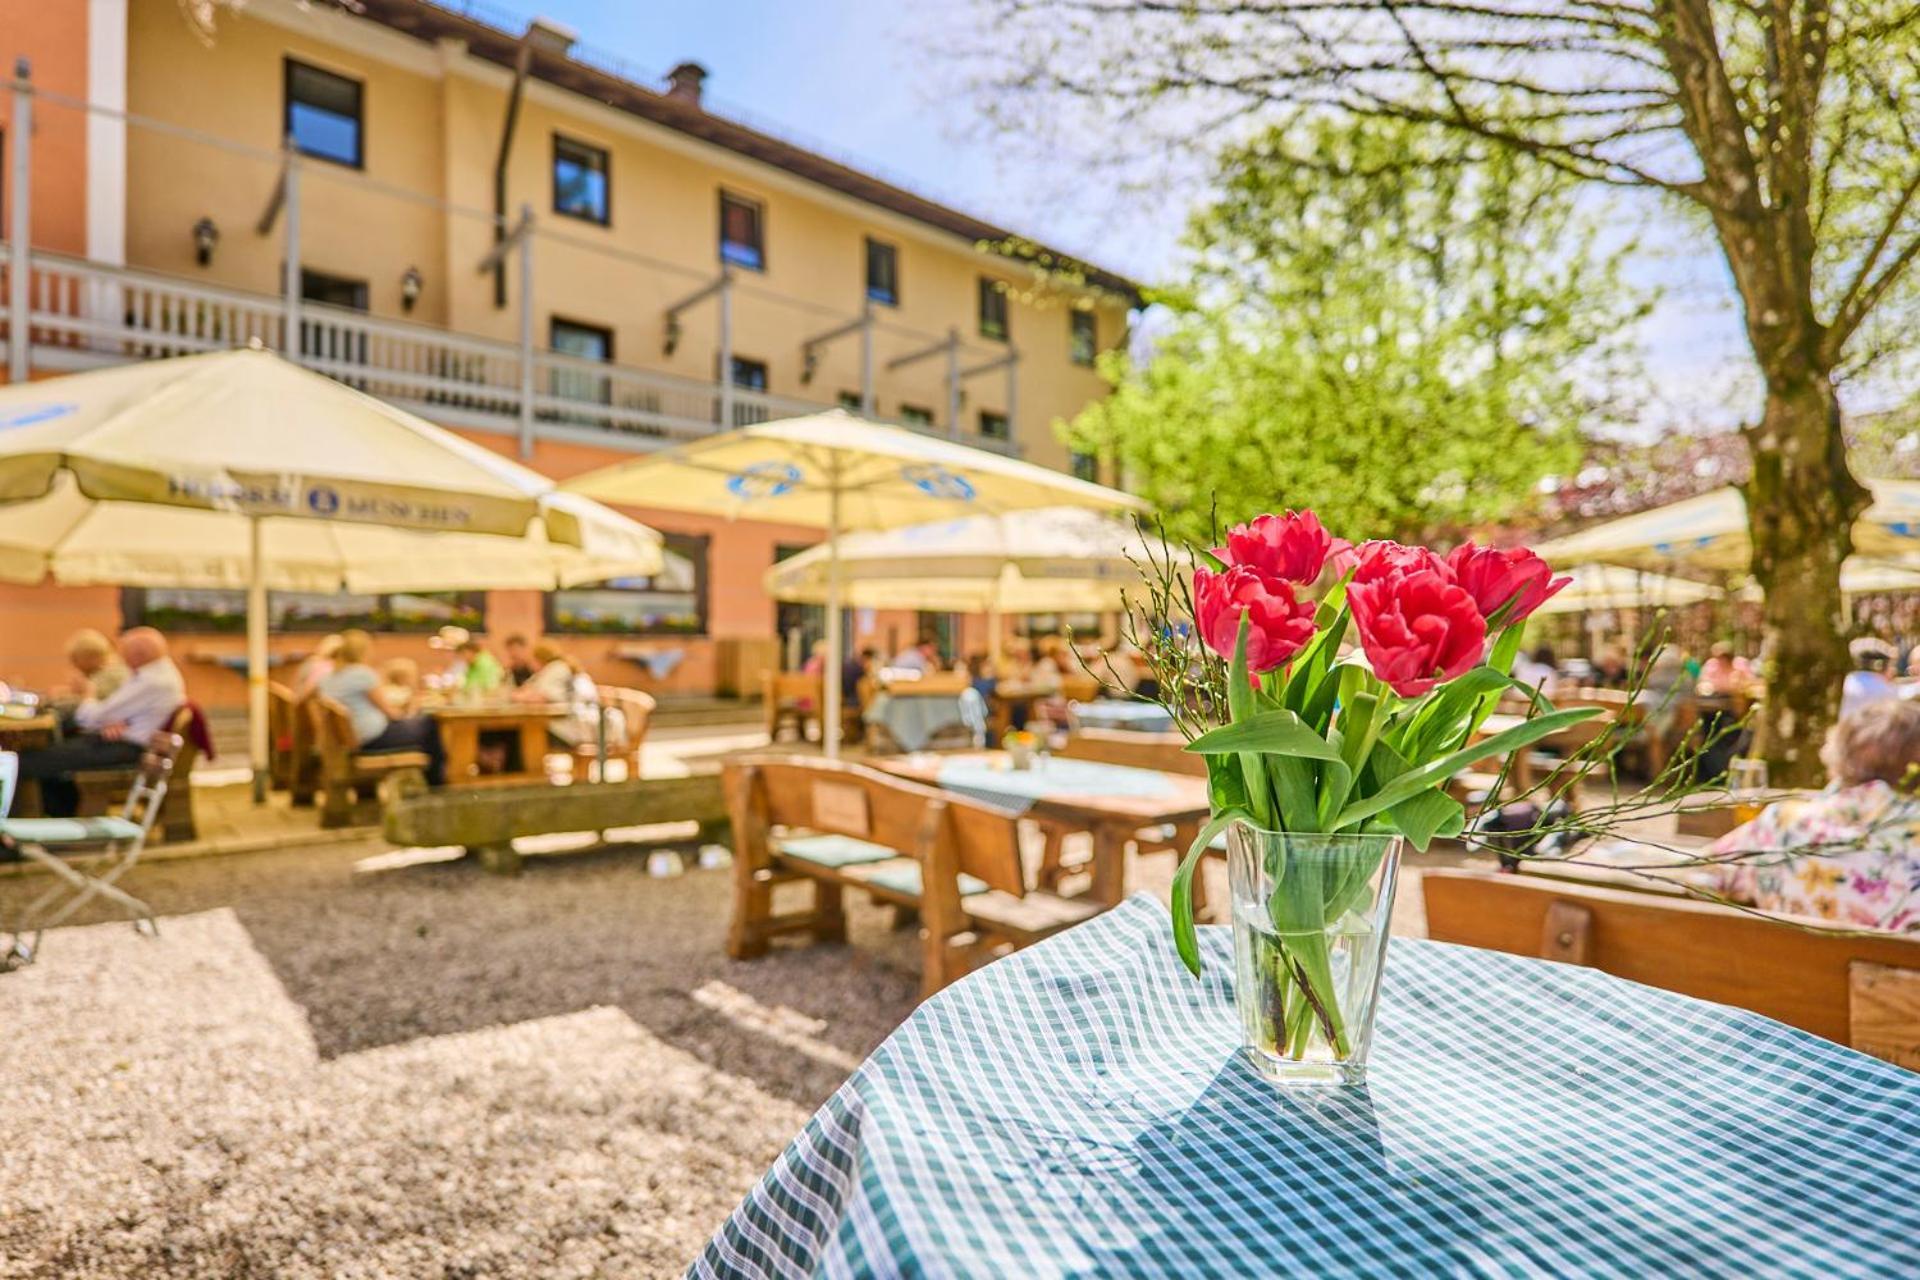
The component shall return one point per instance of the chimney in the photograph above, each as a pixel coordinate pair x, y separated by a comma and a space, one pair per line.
683, 83
544, 35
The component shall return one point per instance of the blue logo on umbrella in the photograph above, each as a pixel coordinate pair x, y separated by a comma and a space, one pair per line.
937, 482
764, 480
36, 413
322, 501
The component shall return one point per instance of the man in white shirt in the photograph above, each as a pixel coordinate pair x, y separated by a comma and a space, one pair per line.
112, 731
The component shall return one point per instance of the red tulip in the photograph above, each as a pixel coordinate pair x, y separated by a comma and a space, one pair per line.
1496, 578
1293, 546
1417, 629
1382, 559
1279, 623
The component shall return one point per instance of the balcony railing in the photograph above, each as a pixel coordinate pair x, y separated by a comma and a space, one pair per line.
85, 315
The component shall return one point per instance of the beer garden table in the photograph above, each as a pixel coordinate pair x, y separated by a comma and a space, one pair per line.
462, 723
1109, 801
1081, 1108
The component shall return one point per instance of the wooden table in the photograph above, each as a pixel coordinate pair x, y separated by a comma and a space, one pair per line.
461, 725
1111, 802
22, 733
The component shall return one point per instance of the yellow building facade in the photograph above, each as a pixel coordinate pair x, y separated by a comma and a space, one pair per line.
687, 271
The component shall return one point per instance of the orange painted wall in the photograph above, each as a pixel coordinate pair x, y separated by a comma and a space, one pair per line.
53, 36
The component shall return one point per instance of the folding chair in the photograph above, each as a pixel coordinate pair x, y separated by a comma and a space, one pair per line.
106, 847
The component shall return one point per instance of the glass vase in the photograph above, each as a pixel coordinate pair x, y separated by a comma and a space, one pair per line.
1310, 925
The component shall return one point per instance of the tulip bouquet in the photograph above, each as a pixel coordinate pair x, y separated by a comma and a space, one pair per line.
1339, 689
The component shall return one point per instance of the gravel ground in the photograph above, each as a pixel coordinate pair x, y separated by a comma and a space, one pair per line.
331, 1066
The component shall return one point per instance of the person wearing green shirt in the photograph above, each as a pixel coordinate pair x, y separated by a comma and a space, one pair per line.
483, 672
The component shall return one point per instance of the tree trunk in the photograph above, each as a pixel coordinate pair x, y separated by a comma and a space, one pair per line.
1801, 505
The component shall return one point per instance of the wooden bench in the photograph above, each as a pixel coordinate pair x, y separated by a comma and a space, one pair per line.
839, 826
104, 791
487, 821
1855, 989
349, 778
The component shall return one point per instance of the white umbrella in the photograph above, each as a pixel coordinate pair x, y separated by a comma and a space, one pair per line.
1709, 531
1050, 560
840, 474
203, 470
1598, 587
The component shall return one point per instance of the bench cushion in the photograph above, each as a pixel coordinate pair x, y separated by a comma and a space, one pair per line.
1035, 916
835, 851
69, 830
902, 876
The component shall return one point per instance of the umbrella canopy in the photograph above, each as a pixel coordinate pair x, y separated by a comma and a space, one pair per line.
839, 473
1858, 577
1050, 560
1710, 532
1605, 586
242, 469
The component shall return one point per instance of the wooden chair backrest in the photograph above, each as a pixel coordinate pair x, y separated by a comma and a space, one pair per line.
845, 799
790, 686
1162, 751
1078, 686
332, 731
280, 711
1805, 978
636, 708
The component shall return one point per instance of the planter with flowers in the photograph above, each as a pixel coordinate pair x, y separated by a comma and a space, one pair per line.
1340, 689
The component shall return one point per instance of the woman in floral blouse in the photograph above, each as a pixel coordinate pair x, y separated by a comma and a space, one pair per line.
1850, 854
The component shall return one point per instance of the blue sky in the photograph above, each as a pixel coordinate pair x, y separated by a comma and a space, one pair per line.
862, 80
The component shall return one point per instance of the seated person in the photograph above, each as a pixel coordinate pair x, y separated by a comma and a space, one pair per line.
853, 672
400, 677
558, 681
378, 720
1851, 853
1538, 670
519, 659
980, 676
98, 669
923, 657
1867, 683
316, 666
110, 732
482, 672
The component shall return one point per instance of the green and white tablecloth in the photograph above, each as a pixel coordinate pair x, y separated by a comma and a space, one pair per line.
1016, 790
1079, 1109
1113, 713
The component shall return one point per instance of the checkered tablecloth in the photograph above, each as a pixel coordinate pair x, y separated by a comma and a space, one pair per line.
1079, 1109
1112, 713
1017, 789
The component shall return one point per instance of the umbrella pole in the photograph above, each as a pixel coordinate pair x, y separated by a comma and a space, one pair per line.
830, 720
257, 745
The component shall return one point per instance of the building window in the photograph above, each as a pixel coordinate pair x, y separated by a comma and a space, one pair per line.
742, 228
993, 309
223, 612
333, 291
580, 181
1086, 466
672, 602
583, 342
749, 375
1082, 340
993, 426
324, 114
883, 272
850, 401
915, 416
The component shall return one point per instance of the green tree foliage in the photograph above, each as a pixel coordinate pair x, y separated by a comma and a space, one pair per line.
1400, 334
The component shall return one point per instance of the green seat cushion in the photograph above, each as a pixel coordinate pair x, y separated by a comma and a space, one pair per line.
905, 879
68, 830
836, 851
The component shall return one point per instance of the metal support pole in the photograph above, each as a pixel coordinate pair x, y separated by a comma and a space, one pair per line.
1013, 396
258, 743
20, 234
726, 351
836, 661
868, 400
526, 340
953, 383
290, 268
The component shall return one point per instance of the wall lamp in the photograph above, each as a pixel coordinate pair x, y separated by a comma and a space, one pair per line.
673, 334
205, 236
411, 283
